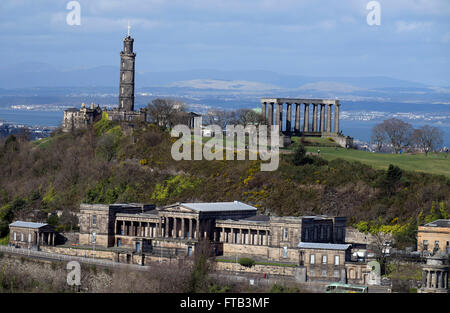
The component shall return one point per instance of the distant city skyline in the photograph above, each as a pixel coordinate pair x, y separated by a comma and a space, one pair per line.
292, 37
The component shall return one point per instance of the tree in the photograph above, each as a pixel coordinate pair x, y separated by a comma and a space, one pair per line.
199, 281
249, 117
378, 136
221, 118
398, 133
165, 112
428, 138
299, 157
393, 176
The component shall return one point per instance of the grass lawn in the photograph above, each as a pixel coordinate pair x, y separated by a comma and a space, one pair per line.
435, 164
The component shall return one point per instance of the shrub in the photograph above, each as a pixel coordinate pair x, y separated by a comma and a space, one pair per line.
247, 262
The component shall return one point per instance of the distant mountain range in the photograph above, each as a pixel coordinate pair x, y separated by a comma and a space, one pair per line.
33, 74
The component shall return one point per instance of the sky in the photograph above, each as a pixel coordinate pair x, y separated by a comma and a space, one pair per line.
303, 37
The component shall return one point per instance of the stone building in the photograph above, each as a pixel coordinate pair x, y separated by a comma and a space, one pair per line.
30, 235
434, 237
80, 119
316, 244
234, 226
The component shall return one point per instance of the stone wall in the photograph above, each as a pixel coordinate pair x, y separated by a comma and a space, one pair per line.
257, 268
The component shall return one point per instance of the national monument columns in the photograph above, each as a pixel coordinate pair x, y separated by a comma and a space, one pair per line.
317, 126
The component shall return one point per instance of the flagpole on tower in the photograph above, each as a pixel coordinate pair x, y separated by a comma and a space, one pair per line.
129, 27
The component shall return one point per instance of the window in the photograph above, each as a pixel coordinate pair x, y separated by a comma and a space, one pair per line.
311, 272
22, 237
94, 219
119, 242
312, 259
29, 237
336, 260
324, 259
425, 245
324, 273
123, 76
336, 273
285, 233
436, 244
94, 237
15, 236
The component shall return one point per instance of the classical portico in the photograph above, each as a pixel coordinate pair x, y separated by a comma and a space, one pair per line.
435, 275
316, 116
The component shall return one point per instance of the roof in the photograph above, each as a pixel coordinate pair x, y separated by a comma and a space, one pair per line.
439, 223
324, 246
27, 224
71, 110
219, 206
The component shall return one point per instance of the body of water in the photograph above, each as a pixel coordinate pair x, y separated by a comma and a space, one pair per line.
32, 117
360, 130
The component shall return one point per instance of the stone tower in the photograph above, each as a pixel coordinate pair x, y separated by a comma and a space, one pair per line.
127, 60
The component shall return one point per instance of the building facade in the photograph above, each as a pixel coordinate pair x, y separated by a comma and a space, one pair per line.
434, 237
30, 235
234, 228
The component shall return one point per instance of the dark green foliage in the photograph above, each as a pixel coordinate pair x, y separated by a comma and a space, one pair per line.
247, 262
299, 157
392, 178
53, 220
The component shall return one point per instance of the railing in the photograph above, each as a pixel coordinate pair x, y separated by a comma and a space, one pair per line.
68, 258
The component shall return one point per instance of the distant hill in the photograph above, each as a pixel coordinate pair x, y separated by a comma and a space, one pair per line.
35, 74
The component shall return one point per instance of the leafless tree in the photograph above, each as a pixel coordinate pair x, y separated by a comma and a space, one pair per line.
221, 118
380, 248
165, 112
247, 116
428, 138
378, 136
399, 133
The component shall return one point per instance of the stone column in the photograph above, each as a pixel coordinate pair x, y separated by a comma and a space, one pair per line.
329, 118
336, 118
257, 237
289, 118
315, 128
297, 117
278, 115
183, 234
197, 228
175, 230
240, 235
190, 228
429, 279
270, 119
263, 111
322, 118
306, 118
166, 232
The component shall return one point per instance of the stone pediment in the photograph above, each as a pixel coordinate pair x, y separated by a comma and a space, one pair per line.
177, 209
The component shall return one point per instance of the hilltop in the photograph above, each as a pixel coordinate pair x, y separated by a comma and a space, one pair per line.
110, 163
